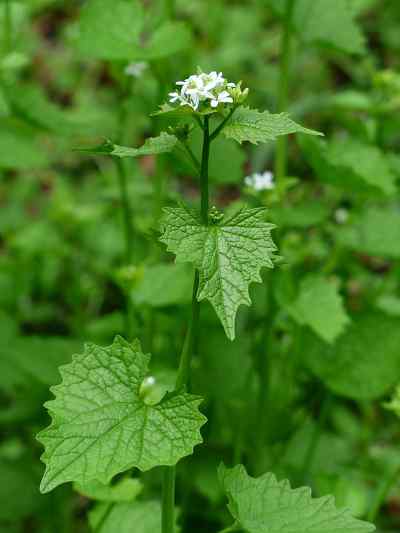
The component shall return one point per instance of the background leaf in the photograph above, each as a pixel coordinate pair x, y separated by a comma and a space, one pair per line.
350, 367
319, 306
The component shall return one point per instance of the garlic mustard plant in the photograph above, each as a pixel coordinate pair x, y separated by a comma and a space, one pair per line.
227, 253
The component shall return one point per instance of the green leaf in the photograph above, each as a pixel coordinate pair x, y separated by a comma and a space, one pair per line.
229, 255
121, 33
378, 232
106, 33
250, 125
28, 362
163, 285
144, 517
320, 306
266, 505
125, 490
153, 145
319, 23
351, 367
301, 214
101, 426
351, 165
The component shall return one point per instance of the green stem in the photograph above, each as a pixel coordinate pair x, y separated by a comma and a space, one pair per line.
283, 92
204, 170
382, 492
168, 500
7, 27
183, 377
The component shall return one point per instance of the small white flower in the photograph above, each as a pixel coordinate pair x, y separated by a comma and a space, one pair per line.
223, 97
260, 181
136, 69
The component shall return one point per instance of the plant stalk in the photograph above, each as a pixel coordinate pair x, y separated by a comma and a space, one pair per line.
168, 500
204, 170
283, 93
183, 377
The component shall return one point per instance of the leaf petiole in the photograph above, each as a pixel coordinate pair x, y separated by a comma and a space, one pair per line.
192, 157
219, 128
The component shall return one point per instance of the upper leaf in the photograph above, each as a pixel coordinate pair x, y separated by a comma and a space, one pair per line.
229, 255
250, 125
101, 426
264, 505
320, 306
153, 145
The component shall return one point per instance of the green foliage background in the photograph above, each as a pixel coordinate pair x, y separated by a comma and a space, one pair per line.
302, 391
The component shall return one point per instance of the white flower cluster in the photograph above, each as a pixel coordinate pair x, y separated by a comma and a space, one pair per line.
210, 88
260, 181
